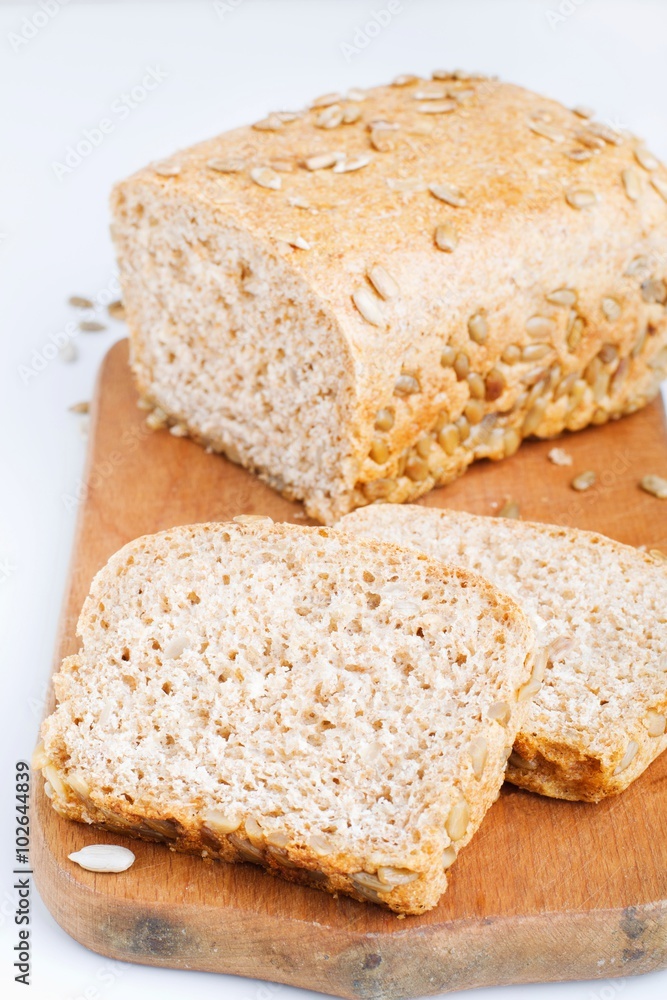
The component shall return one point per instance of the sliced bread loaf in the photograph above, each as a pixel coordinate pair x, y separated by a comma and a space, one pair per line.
336, 710
600, 612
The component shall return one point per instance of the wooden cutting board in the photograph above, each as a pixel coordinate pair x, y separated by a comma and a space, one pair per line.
547, 890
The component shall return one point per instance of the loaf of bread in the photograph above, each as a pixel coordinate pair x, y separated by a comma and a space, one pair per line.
333, 709
357, 300
599, 610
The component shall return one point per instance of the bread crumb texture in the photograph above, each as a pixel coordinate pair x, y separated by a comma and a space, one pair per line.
335, 710
599, 610
359, 299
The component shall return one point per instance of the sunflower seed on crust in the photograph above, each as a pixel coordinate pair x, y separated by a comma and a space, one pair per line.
368, 307
580, 198
450, 195
382, 282
265, 177
355, 163
446, 237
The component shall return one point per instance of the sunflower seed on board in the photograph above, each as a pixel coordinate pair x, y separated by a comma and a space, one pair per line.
450, 195
559, 456
266, 178
583, 481
655, 485
91, 326
368, 307
103, 858
80, 302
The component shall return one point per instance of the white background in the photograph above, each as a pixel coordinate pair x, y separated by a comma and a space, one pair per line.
223, 68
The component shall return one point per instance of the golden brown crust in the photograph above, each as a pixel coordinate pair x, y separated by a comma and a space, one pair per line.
530, 268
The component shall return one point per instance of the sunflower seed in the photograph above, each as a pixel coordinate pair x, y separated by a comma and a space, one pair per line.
270, 124
660, 184
546, 131
448, 856
382, 282
582, 111
367, 881
512, 441
356, 94
167, 169
356, 163
446, 237
116, 310
264, 177
438, 94
534, 417
437, 107
80, 302
325, 101
379, 451
68, 352
628, 757
219, 822
520, 762
91, 326
79, 408
580, 155
476, 385
580, 198
655, 485
562, 297
450, 195
478, 751
638, 265
655, 723
559, 456
406, 385
534, 352
458, 819
322, 161
474, 411
416, 469
500, 712
478, 328
608, 353
607, 133
331, 117
540, 327
590, 141
494, 385
610, 308
351, 115
368, 307
404, 80
646, 159
230, 166
654, 290
396, 876
575, 331
449, 439
103, 858
583, 481
631, 183
384, 419
461, 365
511, 354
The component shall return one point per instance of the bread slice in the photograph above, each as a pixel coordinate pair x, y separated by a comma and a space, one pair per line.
600, 611
359, 299
335, 710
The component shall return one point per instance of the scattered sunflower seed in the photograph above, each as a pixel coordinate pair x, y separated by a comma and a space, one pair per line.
583, 481
79, 407
559, 456
510, 509
80, 302
68, 352
103, 858
655, 485
116, 310
382, 281
91, 326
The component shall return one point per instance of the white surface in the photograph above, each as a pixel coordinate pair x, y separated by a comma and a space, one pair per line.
222, 69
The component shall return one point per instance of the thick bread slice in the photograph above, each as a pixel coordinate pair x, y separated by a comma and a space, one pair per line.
336, 710
360, 299
600, 611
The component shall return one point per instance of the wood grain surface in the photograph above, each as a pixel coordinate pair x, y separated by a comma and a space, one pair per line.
547, 890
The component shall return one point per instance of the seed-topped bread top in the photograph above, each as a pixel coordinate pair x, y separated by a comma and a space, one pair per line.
599, 607
320, 686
